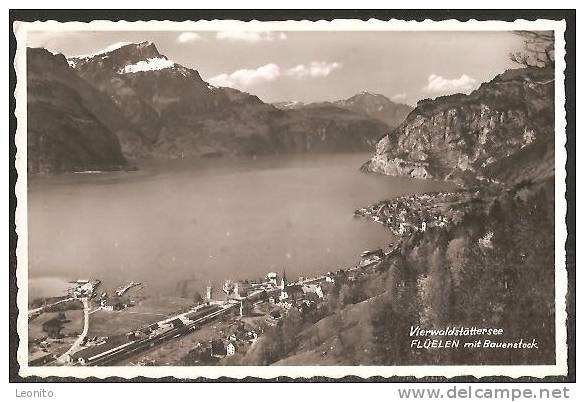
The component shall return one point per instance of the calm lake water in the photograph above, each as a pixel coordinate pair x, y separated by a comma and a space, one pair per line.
206, 220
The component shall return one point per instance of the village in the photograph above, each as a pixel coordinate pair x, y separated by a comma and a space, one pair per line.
419, 212
226, 321
222, 324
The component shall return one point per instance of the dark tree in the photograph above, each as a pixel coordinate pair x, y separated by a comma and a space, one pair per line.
390, 335
197, 298
53, 327
538, 49
289, 328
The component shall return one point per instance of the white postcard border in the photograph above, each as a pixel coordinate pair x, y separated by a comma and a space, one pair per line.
21, 30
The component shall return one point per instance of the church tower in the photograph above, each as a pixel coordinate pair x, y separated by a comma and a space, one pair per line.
283, 282
283, 285
208, 292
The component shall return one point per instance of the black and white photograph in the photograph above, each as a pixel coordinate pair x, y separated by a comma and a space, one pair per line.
291, 198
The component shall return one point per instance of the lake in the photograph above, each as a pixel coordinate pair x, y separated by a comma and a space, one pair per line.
179, 225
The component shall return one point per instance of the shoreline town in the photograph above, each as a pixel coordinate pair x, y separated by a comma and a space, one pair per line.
275, 296
249, 307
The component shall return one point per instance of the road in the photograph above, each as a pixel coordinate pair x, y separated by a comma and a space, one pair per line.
39, 310
77, 344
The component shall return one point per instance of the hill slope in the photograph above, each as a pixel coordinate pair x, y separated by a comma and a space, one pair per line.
484, 258
71, 125
492, 269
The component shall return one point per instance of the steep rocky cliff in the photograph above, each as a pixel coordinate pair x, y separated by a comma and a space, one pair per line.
71, 125
180, 115
466, 137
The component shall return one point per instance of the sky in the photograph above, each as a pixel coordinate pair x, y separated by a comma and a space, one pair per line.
319, 66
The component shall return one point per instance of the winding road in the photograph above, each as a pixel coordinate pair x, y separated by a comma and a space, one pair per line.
76, 345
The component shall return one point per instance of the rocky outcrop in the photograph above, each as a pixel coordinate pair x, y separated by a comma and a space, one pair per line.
459, 137
180, 115
382, 163
71, 125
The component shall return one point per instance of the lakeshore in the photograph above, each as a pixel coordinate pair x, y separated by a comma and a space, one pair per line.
176, 227
222, 327
406, 215
129, 321
126, 324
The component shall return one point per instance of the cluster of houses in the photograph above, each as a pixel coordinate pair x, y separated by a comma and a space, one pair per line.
41, 357
415, 213
275, 289
226, 346
114, 303
83, 288
45, 350
118, 301
303, 294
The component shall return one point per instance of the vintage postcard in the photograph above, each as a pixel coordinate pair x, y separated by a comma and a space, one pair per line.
221, 198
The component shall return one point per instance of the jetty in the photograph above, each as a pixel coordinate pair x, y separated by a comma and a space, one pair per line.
123, 289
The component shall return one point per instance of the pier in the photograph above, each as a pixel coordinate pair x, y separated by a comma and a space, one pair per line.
123, 289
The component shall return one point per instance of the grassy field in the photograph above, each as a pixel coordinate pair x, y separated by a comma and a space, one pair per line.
147, 311
73, 326
71, 330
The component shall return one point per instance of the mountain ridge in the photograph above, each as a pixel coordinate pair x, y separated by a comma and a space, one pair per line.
67, 129
369, 104
181, 115
458, 137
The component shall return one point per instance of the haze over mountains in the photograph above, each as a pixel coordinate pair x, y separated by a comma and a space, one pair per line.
150, 107
368, 104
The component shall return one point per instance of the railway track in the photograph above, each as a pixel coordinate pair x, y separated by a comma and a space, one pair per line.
125, 351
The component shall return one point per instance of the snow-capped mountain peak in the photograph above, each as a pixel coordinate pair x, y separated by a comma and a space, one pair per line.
119, 55
112, 48
105, 50
150, 64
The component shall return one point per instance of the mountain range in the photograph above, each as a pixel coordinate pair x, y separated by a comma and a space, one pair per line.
365, 103
114, 108
128, 103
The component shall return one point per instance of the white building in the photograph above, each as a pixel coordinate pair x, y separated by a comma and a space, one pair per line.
313, 288
230, 349
241, 289
272, 277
